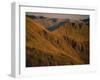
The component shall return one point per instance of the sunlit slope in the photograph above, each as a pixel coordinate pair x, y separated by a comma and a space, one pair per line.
76, 39
46, 48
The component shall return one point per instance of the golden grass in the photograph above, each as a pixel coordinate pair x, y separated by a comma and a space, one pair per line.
40, 43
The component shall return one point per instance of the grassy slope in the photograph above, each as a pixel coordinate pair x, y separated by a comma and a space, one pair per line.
42, 50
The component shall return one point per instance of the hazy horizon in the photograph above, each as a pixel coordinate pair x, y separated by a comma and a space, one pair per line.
63, 16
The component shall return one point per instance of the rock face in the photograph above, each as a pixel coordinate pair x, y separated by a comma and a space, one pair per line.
53, 42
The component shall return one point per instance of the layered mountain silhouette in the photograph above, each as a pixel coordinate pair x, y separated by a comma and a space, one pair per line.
53, 42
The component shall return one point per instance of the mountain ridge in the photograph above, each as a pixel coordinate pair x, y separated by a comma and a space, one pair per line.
41, 41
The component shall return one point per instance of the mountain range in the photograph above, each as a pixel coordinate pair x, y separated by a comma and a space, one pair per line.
53, 42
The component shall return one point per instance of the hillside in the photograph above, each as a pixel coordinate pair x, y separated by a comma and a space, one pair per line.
63, 45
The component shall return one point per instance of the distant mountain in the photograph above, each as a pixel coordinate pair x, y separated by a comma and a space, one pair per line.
86, 21
53, 19
56, 25
58, 44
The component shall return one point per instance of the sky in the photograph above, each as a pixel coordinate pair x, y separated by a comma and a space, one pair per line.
63, 16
